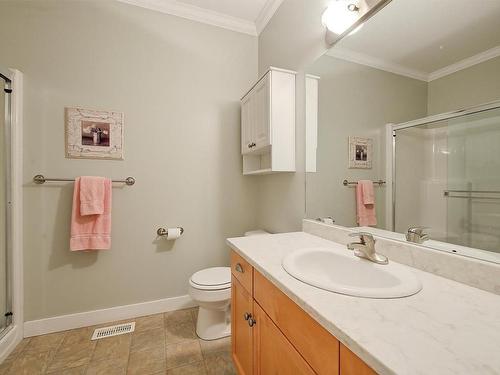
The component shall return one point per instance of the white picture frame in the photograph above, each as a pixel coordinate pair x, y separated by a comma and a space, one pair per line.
360, 152
94, 134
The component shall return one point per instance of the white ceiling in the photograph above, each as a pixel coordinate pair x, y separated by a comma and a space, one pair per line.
246, 16
427, 38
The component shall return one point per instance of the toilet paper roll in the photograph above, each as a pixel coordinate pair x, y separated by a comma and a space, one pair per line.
173, 233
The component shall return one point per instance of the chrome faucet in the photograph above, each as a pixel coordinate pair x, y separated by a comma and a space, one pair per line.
416, 235
366, 248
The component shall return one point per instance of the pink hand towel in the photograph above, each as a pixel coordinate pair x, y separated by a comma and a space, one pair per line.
91, 232
365, 211
91, 195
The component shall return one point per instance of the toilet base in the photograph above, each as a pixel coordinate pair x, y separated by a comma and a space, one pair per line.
213, 324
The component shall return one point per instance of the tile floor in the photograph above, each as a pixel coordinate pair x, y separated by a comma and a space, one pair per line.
161, 344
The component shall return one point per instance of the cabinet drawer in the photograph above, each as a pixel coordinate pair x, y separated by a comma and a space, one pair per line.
242, 271
318, 347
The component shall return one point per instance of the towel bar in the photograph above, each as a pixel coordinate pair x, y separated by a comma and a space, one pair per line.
41, 179
348, 183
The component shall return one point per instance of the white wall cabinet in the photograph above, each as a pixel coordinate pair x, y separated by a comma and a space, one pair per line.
268, 124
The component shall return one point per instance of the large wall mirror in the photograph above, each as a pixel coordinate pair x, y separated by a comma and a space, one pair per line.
411, 103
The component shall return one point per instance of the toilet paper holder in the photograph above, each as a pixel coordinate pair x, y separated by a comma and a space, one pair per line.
164, 232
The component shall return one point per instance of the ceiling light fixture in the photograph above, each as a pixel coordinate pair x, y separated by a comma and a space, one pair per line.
340, 15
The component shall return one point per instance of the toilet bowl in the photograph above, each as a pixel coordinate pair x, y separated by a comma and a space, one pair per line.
210, 288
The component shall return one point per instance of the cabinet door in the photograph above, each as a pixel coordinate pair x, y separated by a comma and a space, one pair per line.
246, 124
261, 110
273, 353
241, 332
350, 364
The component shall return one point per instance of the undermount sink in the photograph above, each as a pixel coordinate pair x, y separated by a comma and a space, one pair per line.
338, 270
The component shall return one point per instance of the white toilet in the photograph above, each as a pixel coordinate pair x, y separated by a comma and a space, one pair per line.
211, 289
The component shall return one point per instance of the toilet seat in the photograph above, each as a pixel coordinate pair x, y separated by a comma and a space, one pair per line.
215, 278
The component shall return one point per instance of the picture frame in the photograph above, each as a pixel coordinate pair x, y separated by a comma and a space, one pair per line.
94, 134
360, 152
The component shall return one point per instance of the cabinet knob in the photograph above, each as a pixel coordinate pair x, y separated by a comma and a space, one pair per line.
252, 322
238, 267
247, 316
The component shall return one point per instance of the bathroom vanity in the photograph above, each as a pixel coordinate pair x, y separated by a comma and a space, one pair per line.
282, 325
272, 334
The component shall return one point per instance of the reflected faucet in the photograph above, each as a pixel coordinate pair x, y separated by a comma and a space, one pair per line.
416, 235
366, 248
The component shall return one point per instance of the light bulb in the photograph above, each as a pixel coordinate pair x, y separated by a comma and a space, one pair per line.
340, 15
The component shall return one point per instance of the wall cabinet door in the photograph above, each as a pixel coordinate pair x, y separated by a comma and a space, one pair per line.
256, 117
273, 353
241, 335
246, 124
261, 126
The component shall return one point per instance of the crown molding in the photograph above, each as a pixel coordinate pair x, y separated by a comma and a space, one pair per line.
194, 13
360, 58
266, 14
465, 63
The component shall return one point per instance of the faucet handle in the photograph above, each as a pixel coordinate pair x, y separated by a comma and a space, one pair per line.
363, 236
417, 230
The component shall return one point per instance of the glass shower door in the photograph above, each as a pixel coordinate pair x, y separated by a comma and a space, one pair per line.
3, 206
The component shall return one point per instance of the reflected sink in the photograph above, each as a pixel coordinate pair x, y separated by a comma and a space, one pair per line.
338, 270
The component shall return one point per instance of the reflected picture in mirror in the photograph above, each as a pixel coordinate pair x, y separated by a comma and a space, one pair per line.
427, 94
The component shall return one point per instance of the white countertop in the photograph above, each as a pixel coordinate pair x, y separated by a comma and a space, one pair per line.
447, 328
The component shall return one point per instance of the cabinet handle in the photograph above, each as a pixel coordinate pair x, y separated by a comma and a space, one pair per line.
247, 316
252, 322
250, 145
238, 267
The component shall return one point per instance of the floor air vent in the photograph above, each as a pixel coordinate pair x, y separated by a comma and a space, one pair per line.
120, 329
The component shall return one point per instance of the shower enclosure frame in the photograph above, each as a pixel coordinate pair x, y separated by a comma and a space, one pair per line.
391, 150
13, 332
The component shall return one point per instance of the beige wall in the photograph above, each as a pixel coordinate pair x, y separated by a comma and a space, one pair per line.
472, 86
355, 100
178, 83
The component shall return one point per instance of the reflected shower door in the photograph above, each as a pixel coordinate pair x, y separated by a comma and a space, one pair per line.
473, 191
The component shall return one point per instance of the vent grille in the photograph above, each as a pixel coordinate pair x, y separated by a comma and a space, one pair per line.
120, 329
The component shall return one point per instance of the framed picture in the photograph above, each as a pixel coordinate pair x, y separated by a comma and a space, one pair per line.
360, 152
93, 134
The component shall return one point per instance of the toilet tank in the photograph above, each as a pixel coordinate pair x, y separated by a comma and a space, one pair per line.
256, 232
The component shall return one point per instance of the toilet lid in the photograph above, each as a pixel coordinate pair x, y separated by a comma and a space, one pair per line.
219, 277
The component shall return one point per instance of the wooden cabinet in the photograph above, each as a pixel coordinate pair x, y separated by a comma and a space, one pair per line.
242, 333
274, 354
268, 124
271, 334
350, 364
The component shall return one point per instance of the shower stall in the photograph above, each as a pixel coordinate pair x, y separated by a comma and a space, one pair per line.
446, 176
10, 211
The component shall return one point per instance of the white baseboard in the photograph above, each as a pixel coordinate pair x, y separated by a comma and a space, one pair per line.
10, 341
89, 318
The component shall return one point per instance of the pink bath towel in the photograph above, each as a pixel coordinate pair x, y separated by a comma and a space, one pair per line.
91, 195
91, 231
365, 203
